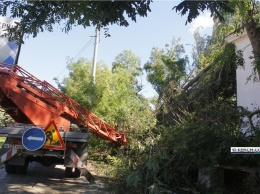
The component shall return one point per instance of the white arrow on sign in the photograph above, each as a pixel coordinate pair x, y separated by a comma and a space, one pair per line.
35, 138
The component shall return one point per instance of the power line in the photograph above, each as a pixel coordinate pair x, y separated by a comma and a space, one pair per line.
77, 55
80, 52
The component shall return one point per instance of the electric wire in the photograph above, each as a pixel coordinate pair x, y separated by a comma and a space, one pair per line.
83, 49
77, 55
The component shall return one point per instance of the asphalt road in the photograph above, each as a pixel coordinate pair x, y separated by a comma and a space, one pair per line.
41, 180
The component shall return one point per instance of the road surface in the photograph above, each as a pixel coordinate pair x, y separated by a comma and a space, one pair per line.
41, 180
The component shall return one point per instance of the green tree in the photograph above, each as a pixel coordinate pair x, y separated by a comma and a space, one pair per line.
37, 16
166, 66
114, 98
199, 47
4, 118
194, 8
127, 61
198, 124
79, 85
246, 17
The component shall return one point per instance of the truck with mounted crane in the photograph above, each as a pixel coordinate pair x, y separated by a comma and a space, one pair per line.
42, 131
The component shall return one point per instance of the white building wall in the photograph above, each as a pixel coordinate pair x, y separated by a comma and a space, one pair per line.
248, 92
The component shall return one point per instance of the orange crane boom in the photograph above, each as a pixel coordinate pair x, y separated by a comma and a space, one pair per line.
29, 100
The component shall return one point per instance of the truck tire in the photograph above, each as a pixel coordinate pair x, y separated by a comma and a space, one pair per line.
9, 169
72, 172
76, 173
21, 169
68, 172
12, 169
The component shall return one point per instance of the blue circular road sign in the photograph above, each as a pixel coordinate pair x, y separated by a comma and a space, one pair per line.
33, 139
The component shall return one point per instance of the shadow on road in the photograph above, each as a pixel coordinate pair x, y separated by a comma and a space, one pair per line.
40, 179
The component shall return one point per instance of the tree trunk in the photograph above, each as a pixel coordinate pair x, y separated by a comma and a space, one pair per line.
195, 79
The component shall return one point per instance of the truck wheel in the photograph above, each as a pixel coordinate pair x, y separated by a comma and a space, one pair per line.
68, 172
21, 169
76, 173
72, 172
9, 169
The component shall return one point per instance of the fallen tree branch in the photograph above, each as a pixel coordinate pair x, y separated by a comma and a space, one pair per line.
251, 114
194, 80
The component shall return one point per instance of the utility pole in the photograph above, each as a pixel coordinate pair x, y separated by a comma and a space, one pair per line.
95, 53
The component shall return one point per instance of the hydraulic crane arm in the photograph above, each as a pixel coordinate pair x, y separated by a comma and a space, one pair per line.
29, 100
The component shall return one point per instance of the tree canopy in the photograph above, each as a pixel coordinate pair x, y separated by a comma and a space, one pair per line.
115, 96
239, 15
37, 16
166, 65
197, 125
194, 8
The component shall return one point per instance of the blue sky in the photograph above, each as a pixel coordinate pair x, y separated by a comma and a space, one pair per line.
46, 55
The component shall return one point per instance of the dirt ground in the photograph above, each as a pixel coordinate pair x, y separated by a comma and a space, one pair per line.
41, 180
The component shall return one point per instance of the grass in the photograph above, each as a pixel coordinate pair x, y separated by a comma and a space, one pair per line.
2, 140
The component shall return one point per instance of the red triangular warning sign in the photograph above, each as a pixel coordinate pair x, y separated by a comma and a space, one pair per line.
53, 138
